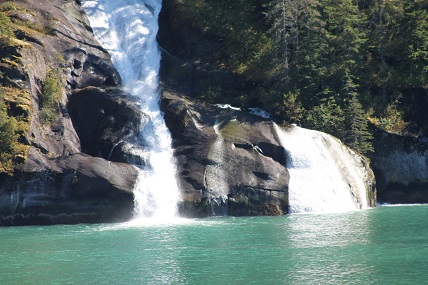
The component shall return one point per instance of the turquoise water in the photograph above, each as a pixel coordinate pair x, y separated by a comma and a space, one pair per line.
386, 245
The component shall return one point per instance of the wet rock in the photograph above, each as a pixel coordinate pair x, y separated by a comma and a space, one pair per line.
108, 122
225, 154
56, 182
67, 190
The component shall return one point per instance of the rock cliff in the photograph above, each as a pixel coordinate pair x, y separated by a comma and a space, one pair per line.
401, 168
64, 175
240, 178
229, 162
195, 62
76, 166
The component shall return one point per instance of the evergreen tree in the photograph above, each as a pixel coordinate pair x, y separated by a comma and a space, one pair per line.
291, 21
327, 116
311, 65
346, 39
356, 133
382, 19
412, 44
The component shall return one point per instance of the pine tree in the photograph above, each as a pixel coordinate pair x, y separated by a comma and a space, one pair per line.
412, 44
382, 19
356, 133
291, 19
346, 39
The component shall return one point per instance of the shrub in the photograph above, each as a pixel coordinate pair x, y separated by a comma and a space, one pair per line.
50, 97
6, 31
8, 138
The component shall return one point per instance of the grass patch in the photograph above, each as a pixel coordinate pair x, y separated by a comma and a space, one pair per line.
19, 100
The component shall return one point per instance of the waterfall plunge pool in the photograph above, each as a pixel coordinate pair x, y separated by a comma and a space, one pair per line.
384, 245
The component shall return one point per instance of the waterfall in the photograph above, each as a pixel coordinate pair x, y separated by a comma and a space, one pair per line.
127, 30
215, 177
325, 176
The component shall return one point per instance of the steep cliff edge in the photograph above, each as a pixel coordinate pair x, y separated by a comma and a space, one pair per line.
401, 168
52, 58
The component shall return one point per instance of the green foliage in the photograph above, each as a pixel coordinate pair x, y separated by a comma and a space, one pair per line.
238, 28
213, 94
291, 108
8, 138
60, 58
9, 6
49, 99
292, 21
14, 110
391, 119
15, 106
356, 134
330, 65
284, 106
6, 31
328, 116
30, 21
337, 54
7, 128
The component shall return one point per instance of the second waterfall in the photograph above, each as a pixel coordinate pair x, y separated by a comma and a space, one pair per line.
127, 30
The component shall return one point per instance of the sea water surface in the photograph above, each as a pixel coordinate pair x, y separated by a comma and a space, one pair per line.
385, 245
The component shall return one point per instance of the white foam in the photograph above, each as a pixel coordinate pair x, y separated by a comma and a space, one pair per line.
321, 177
127, 30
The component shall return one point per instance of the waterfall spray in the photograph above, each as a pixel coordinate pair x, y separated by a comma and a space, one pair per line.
127, 30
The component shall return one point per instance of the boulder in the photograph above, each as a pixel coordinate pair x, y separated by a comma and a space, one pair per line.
229, 162
67, 190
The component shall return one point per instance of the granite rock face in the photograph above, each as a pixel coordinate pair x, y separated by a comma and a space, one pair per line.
108, 122
401, 168
229, 162
66, 176
73, 189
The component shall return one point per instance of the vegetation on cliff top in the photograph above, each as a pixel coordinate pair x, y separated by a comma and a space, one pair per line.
330, 65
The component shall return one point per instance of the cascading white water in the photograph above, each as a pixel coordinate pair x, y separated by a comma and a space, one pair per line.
323, 177
214, 173
215, 176
127, 30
